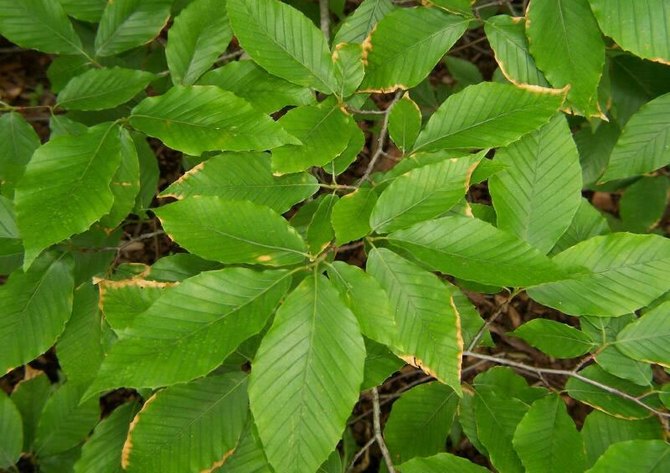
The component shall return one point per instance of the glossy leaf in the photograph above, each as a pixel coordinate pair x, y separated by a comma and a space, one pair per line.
643, 456
102, 451
36, 305
205, 118
356, 27
18, 141
644, 143
324, 131
554, 338
191, 427
476, 251
638, 26
307, 372
297, 52
406, 44
423, 193
601, 430
351, 215
127, 24
199, 34
567, 46
264, 91
404, 123
192, 327
547, 440
428, 321
39, 24
232, 231
11, 432
367, 300
440, 463
244, 176
55, 200
539, 192
98, 89
646, 338
420, 421
507, 36
624, 272
488, 115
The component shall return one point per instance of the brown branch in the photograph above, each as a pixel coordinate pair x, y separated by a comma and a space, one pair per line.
376, 422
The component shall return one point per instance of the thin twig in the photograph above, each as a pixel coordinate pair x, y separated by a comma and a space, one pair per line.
502, 308
229, 56
467, 45
376, 423
351, 246
572, 374
360, 453
324, 12
381, 139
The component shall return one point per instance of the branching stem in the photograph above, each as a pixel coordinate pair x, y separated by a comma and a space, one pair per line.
378, 431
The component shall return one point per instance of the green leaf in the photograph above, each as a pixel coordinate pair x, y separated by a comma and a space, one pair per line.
428, 322
356, 27
18, 142
199, 34
504, 382
547, 440
463, 72
587, 223
380, 363
646, 338
615, 362
180, 266
476, 251
297, 51
601, 430
507, 37
638, 26
606, 401
244, 176
462, 7
53, 200
539, 192
265, 92
351, 215
232, 231
65, 422
127, 24
367, 300
102, 451
122, 301
248, 456
356, 144
640, 456
406, 45
488, 115
625, 272
554, 338
595, 148
192, 328
404, 123
567, 46
320, 231
11, 432
36, 305
420, 422
38, 24
643, 204
29, 396
79, 348
125, 184
423, 193
99, 89
644, 143
441, 463
497, 417
205, 118
307, 372
324, 131
190, 427
149, 173
85, 10
349, 68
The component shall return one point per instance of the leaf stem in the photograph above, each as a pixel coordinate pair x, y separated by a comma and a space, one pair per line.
324, 13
